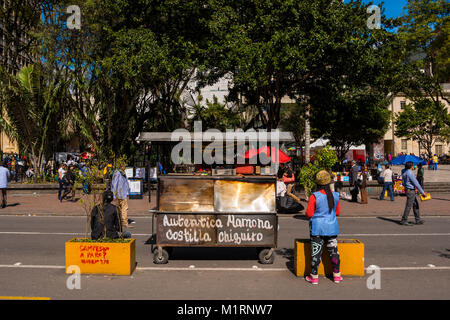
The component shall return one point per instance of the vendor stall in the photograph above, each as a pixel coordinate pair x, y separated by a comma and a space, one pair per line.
216, 207
215, 211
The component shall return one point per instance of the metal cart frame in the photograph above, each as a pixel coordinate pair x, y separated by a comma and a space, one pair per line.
161, 250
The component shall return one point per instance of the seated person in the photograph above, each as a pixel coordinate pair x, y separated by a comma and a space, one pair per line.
285, 202
112, 220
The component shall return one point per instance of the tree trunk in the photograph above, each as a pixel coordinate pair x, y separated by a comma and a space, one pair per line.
307, 135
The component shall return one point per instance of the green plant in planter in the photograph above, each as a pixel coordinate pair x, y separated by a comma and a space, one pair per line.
89, 200
94, 196
324, 159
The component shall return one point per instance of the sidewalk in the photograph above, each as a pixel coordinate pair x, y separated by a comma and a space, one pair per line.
48, 204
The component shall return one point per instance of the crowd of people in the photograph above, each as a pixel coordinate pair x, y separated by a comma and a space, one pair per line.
105, 216
19, 167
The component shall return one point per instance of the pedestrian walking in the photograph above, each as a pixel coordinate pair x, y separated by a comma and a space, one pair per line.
69, 182
435, 162
60, 178
364, 198
84, 174
430, 164
107, 174
353, 182
420, 174
4, 177
388, 182
121, 190
410, 183
323, 207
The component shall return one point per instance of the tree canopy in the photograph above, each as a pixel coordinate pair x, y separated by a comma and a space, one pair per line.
424, 122
126, 68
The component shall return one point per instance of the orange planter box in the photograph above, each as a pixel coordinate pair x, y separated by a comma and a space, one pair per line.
351, 252
102, 257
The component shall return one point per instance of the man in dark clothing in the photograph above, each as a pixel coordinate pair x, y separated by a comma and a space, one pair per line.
69, 182
420, 173
353, 179
110, 220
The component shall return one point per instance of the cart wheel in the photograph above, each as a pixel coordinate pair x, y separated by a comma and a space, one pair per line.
164, 258
263, 257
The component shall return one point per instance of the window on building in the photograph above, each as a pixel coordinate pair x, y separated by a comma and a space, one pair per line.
402, 105
439, 150
404, 144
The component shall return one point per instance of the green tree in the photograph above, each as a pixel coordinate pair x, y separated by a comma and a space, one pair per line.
425, 34
215, 115
308, 51
324, 159
131, 61
423, 122
31, 98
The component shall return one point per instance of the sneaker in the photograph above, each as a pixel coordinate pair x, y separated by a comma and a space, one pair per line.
405, 223
312, 280
338, 279
130, 221
420, 222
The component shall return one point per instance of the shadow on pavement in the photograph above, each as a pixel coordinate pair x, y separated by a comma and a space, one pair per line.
390, 220
289, 255
301, 217
13, 204
440, 199
213, 253
443, 254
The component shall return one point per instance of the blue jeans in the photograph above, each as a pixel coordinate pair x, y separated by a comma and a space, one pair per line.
435, 166
126, 234
61, 187
387, 186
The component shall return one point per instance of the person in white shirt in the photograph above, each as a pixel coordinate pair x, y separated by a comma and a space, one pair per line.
387, 183
281, 188
4, 177
61, 173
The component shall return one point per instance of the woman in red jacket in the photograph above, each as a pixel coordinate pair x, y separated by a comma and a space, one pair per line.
323, 207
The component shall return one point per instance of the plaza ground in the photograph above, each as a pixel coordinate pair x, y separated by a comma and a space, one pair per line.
414, 262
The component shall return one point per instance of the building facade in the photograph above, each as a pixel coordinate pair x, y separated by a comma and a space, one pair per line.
12, 59
397, 145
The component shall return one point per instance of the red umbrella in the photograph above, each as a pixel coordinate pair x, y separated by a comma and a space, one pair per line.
282, 157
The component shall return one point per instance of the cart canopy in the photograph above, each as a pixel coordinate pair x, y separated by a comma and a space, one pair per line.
271, 152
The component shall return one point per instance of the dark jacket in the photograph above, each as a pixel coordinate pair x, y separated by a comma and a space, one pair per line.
112, 222
353, 175
69, 177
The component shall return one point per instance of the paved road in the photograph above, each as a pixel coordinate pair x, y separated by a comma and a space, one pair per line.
47, 204
32, 264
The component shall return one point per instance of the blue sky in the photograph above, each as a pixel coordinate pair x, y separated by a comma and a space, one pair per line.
393, 8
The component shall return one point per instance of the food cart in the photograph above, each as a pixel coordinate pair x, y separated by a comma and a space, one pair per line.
217, 209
